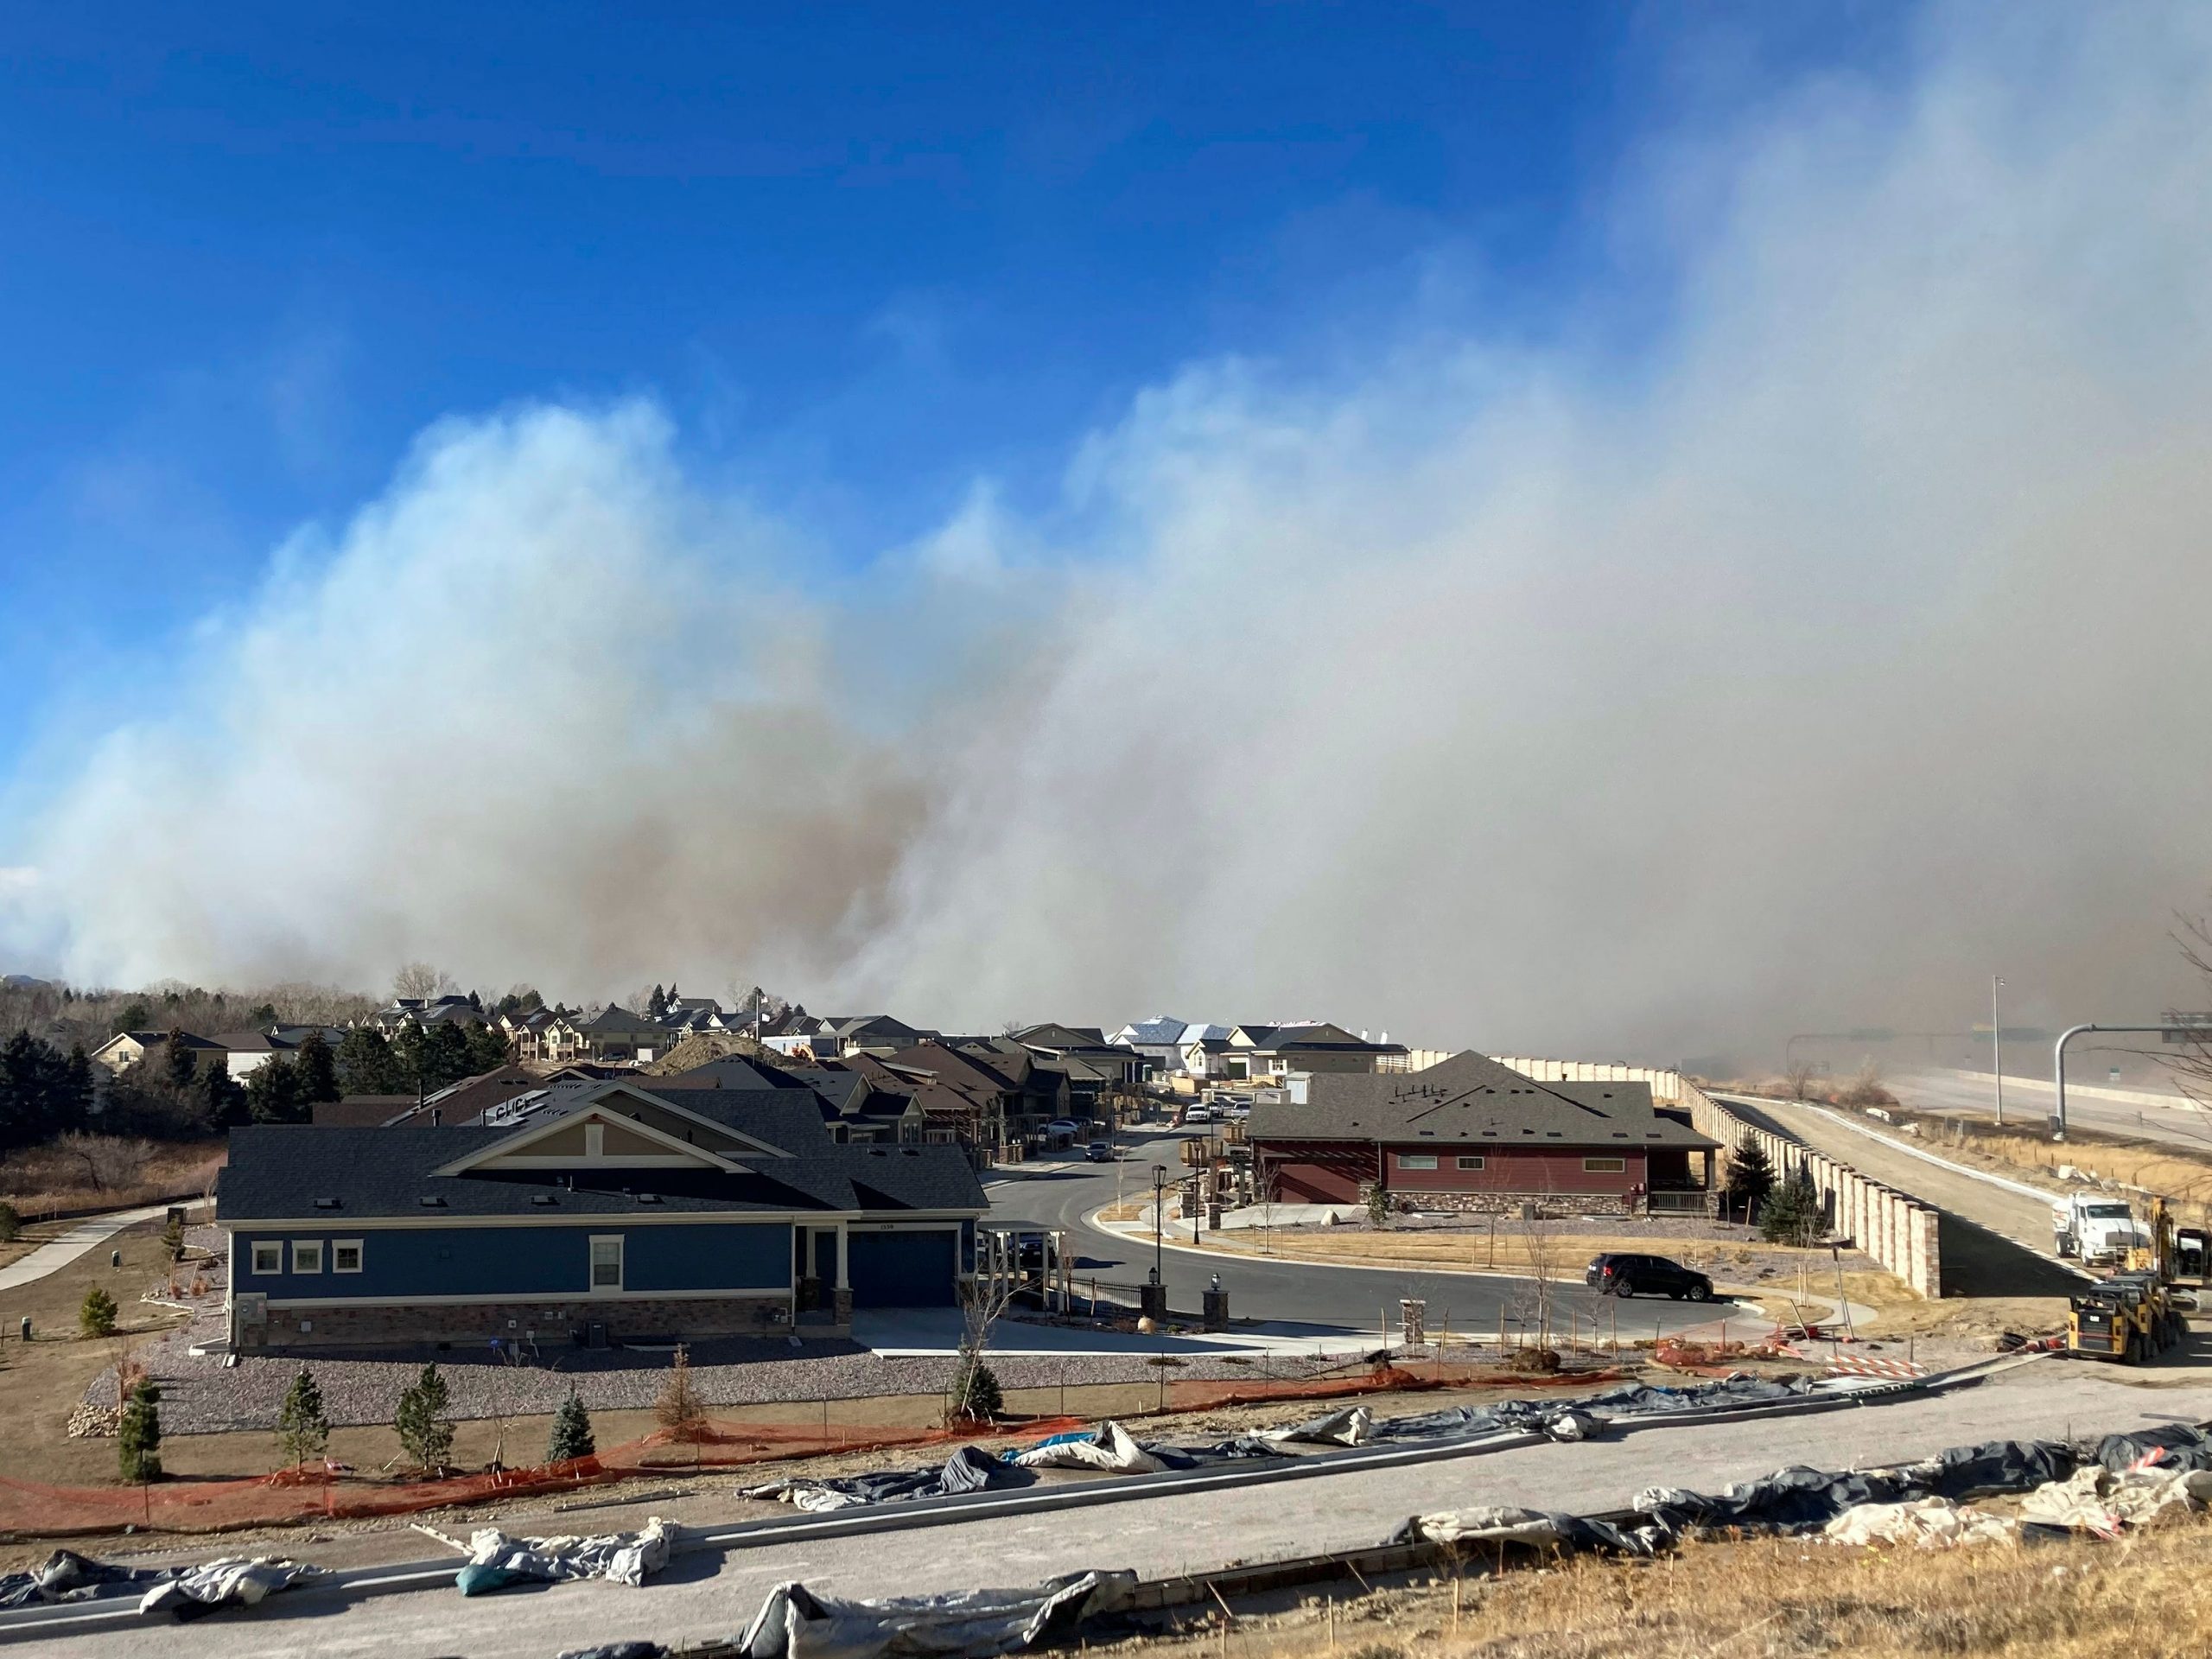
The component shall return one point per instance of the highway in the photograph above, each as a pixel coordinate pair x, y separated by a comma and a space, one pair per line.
710, 1594
2031, 1099
1292, 1298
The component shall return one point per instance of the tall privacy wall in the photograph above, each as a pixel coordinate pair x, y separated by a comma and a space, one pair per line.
1898, 1232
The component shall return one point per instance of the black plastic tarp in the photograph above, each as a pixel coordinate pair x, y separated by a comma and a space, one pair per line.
68, 1576
2173, 1445
968, 1469
1238, 1449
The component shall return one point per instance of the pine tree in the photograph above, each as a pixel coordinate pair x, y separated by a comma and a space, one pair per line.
1751, 1177
173, 1238
366, 1065
223, 1100
183, 1063
425, 1432
138, 1437
302, 1430
272, 1092
318, 1069
571, 1437
657, 1005
96, 1318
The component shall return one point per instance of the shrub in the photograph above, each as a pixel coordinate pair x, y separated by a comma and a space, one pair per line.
1378, 1205
173, 1238
303, 1429
425, 1432
679, 1409
571, 1437
981, 1399
138, 1437
96, 1317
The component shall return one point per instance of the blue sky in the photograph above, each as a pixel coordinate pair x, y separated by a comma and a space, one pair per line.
863, 255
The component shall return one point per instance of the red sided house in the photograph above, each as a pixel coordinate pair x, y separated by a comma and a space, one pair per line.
1468, 1134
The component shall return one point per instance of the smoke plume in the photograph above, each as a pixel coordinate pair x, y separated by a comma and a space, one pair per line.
1840, 645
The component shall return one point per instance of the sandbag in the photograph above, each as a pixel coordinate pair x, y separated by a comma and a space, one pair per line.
232, 1581
794, 1623
496, 1560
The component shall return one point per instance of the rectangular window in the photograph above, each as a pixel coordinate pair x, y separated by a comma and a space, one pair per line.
1469, 1161
1604, 1166
268, 1257
606, 1262
1417, 1160
307, 1256
345, 1256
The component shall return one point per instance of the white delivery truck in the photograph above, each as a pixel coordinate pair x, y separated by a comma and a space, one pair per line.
2096, 1227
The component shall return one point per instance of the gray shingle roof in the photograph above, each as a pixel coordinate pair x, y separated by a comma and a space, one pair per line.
1470, 1097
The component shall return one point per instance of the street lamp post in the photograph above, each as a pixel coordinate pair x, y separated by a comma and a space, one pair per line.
1159, 1211
1997, 1047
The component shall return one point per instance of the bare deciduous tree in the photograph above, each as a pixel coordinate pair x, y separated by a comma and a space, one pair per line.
419, 980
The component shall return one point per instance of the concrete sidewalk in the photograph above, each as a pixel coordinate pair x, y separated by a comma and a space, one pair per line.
86, 1234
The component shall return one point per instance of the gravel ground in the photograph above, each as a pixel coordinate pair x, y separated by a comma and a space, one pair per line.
201, 1396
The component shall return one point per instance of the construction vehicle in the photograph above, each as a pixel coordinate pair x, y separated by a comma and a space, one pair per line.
2098, 1229
2134, 1314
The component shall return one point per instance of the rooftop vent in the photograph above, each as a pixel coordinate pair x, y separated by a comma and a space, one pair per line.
432, 1201
648, 1197
543, 1197
325, 1203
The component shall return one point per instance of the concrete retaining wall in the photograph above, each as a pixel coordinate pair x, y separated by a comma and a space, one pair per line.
1898, 1232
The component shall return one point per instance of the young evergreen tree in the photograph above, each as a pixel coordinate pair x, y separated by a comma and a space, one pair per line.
302, 1430
425, 1432
318, 1069
96, 1315
138, 1437
173, 1238
1751, 1177
680, 1408
571, 1437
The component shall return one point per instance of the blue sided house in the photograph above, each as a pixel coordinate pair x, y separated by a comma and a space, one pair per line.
610, 1212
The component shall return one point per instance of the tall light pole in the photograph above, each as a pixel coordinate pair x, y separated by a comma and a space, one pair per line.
1158, 1208
1997, 1047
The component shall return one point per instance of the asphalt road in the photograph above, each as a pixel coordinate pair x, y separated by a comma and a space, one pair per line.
1994, 1243
2032, 1099
708, 1595
1299, 1298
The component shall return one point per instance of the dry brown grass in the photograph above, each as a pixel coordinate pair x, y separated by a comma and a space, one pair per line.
1510, 1250
106, 1172
2147, 1596
2184, 1177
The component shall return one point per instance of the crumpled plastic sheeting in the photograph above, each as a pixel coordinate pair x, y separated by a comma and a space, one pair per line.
617, 1650
1929, 1522
1579, 1420
495, 1561
2105, 1501
1538, 1528
1241, 1449
968, 1469
68, 1576
793, 1623
2172, 1446
1798, 1498
1112, 1449
234, 1581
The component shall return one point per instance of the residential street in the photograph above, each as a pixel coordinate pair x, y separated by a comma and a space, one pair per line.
706, 1595
1298, 1297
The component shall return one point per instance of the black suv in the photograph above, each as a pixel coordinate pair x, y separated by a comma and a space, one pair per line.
1646, 1275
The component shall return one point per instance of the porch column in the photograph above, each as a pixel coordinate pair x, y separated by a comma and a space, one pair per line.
842, 1299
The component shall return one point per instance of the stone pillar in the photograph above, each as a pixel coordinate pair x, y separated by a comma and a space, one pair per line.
1932, 1253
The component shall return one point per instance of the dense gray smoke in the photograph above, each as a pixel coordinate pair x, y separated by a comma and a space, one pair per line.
1844, 647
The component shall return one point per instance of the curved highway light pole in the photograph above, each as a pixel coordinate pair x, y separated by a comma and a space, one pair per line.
2058, 1125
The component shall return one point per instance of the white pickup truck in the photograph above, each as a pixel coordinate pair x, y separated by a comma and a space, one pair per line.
2096, 1227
